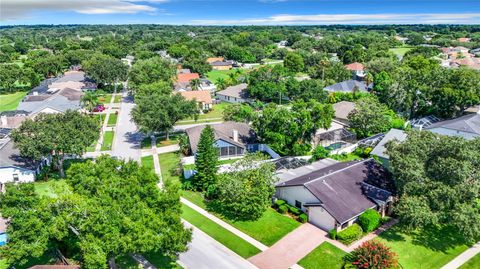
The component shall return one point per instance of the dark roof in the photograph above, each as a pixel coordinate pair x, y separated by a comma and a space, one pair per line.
10, 156
342, 190
222, 63
348, 86
224, 131
237, 91
468, 123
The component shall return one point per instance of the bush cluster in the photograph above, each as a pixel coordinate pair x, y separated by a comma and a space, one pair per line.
332, 234
369, 220
350, 234
282, 208
303, 218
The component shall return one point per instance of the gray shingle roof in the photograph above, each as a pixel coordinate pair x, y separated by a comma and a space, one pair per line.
10, 156
223, 131
393, 134
468, 123
342, 190
237, 91
343, 108
347, 86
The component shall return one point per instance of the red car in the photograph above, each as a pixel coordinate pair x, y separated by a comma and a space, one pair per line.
99, 108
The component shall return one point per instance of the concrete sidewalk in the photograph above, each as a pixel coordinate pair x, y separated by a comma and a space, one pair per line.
463, 258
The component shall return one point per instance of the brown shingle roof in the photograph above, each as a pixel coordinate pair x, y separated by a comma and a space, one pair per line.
199, 96
355, 66
214, 59
186, 77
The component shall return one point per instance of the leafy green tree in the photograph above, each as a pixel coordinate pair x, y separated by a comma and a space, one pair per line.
293, 62
369, 117
157, 112
438, 181
90, 100
48, 65
239, 113
105, 69
58, 135
246, 192
9, 74
319, 153
195, 84
151, 70
206, 160
160, 87
141, 217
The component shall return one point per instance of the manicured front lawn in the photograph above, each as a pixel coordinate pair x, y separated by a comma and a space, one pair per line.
169, 163
217, 232
198, 121
324, 256
117, 98
220, 162
147, 161
107, 140
429, 248
472, 263
105, 98
215, 113
400, 52
163, 142
11, 101
112, 119
214, 75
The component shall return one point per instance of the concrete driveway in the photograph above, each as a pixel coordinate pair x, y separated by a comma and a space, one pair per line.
290, 249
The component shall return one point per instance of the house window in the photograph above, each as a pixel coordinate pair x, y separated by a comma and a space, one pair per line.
231, 150
15, 177
298, 204
224, 151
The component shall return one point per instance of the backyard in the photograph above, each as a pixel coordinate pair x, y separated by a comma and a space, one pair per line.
216, 114
324, 256
214, 75
11, 101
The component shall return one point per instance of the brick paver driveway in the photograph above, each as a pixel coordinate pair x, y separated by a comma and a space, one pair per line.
290, 249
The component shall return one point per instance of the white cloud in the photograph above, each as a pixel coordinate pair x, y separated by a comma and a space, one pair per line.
18, 9
287, 19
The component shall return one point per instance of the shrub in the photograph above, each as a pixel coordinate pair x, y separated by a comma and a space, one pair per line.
332, 234
369, 220
295, 211
279, 203
385, 220
282, 209
303, 218
350, 234
319, 153
373, 254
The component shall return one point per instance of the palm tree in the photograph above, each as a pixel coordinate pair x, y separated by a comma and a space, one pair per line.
90, 100
195, 84
221, 84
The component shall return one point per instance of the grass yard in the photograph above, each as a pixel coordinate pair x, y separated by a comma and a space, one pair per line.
324, 256
104, 98
147, 161
400, 52
11, 101
47, 258
214, 75
472, 263
429, 248
169, 163
112, 119
99, 118
117, 98
215, 113
198, 121
162, 142
107, 140
217, 232
220, 162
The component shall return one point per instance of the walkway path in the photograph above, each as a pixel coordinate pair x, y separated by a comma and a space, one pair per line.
463, 258
98, 146
225, 225
127, 138
291, 248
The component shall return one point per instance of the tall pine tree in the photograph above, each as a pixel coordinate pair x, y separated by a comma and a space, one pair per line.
206, 161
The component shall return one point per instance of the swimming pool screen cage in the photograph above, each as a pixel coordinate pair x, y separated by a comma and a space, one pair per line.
339, 135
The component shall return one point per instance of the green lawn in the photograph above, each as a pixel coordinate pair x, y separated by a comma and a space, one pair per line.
198, 121
215, 113
214, 75
11, 101
220, 162
117, 98
147, 161
99, 118
107, 140
105, 98
324, 256
430, 248
472, 263
112, 119
169, 164
217, 232
163, 142
400, 52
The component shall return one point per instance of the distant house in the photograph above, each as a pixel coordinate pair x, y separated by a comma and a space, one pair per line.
467, 126
219, 63
349, 86
13, 118
357, 70
464, 39
231, 138
183, 80
234, 94
379, 149
342, 110
215, 59
282, 44
203, 98
334, 194
207, 85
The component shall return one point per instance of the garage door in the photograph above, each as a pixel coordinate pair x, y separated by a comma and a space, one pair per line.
320, 218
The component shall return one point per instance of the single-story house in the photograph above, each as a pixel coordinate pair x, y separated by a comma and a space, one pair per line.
207, 85
13, 118
14, 168
335, 194
234, 94
357, 69
342, 110
57, 102
349, 86
222, 65
379, 149
211, 60
467, 126
464, 39
187, 77
231, 138
203, 98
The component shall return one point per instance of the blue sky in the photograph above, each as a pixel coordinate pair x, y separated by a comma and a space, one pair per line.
247, 12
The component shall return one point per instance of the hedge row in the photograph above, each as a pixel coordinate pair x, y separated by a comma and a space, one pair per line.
350, 234
282, 208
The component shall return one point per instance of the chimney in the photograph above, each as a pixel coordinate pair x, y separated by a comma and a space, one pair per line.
235, 135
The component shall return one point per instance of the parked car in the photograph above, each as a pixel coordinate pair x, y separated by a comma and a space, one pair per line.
99, 108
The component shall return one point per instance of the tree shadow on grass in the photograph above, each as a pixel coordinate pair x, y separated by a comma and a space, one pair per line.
439, 239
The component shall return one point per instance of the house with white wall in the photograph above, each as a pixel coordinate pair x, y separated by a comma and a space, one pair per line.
14, 168
234, 94
334, 194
